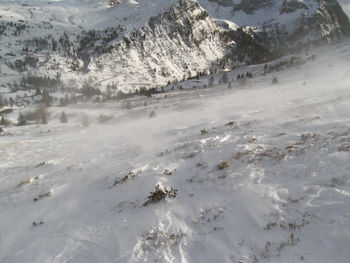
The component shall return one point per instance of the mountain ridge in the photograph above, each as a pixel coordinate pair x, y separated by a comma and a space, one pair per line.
168, 42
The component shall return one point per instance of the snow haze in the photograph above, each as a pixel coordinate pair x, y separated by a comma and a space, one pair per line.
211, 157
261, 170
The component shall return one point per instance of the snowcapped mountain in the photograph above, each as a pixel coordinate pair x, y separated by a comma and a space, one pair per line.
177, 44
253, 169
284, 23
135, 44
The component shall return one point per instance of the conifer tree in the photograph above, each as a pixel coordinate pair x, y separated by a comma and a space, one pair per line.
63, 117
21, 120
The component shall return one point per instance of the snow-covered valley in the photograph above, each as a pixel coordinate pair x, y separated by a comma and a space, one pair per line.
261, 172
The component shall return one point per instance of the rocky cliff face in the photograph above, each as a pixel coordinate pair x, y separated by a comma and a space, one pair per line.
180, 43
185, 40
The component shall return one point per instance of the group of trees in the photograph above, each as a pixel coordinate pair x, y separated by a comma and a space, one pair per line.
13, 28
97, 41
224, 80
6, 102
39, 115
89, 91
33, 82
49, 43
3, 102
66, 44
38, 43
4, 121
247, 75
39, 90
43, 95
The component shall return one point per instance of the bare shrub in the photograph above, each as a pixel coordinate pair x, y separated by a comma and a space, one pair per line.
274, 80
121, 180
39, 115
85, 120
204, 131
152, 114
126, 105
63, 118
223, 165
21, 120
104, 118
41, 196
4, 121
160, 194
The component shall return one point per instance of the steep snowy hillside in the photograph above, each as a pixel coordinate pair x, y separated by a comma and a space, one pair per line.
148, 43
284, 23
180, 43
72, 15
253, 170
145, 41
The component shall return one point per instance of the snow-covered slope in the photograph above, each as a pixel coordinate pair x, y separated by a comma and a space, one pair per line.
132, 42
180, 43
80, 14
284, 23
261, 172
151, 42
